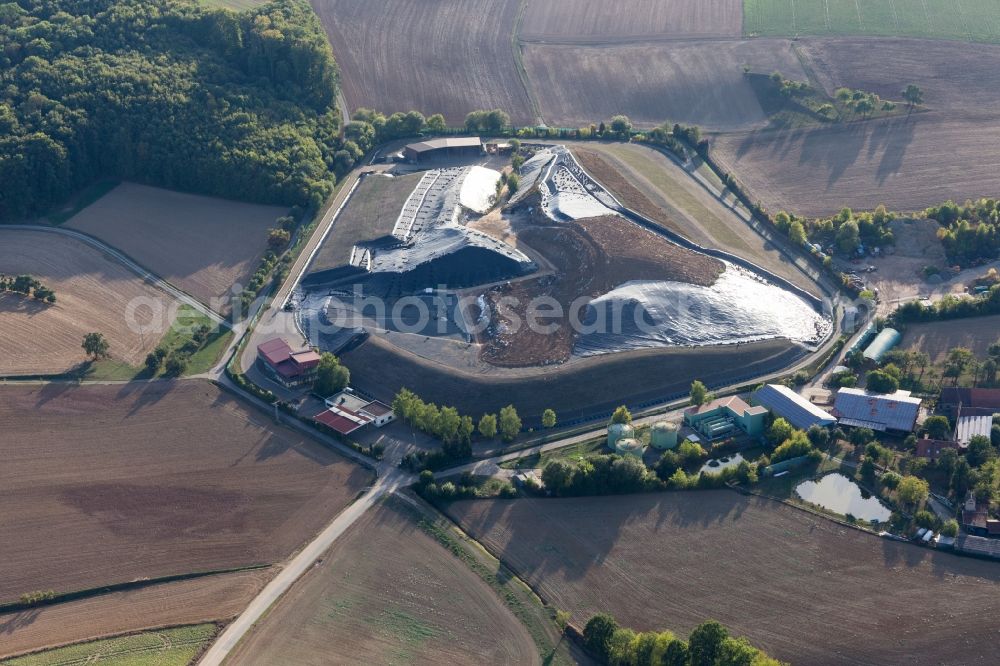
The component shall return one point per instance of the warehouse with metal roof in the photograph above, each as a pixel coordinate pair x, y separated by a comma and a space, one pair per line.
452, 146
883, 342
878, 411
791, 406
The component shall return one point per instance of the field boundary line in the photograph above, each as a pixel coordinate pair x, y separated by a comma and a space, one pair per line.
517, 53
861, 21
965, 20
89, 592
826, 5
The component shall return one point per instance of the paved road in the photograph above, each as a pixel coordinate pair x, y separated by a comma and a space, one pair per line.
301, 563
123, 259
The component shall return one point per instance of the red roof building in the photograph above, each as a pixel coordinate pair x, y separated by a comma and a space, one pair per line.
291, 369
932, 448
348, 411
971, 401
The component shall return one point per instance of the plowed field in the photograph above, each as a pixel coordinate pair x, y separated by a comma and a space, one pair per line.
905, 163
698, 82
93, 293
804, 589
389, 593
202, 245
110, 483
447, 56
597, 20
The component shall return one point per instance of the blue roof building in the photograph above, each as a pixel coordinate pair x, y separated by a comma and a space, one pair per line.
792, 407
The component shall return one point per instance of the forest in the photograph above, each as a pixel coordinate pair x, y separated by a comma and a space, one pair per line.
167, 93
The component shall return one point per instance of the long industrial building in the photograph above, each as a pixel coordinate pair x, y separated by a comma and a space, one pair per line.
792, 407
451, 147
877, 411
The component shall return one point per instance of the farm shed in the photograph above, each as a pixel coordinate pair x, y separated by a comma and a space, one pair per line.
451, 147
968, 427
881, 412
792, 407
970, 401
723, 416
883, 342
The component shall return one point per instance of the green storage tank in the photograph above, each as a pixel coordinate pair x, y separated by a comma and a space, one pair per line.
628, 446
663, 435
618, 431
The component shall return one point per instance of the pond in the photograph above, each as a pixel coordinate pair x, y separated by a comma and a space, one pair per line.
716, 465
840, 494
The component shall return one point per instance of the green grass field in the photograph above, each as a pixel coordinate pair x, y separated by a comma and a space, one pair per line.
967, 20
170, 647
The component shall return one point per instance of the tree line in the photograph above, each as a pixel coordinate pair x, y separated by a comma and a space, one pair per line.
709, 644
167, 93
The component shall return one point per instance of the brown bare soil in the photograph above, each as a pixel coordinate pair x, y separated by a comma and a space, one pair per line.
938, 338
93, 292
804, 589
208, 599
594, 20
370, 214
389, 593
697, 82
111, 483
956, 78
448, 56
647, 181
906, 163
590, 257
202, 245
581, 388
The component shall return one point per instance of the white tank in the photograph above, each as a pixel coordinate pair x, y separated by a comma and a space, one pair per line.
628, 446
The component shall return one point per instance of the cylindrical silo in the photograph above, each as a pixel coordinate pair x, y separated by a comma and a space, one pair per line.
618, 431
628, 446
663, 435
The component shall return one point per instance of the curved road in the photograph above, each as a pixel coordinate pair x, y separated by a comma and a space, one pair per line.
124, 259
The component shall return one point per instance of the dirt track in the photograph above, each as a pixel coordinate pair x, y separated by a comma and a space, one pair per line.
105, 484
202, 245
804, 589
184, 602
697, 82
905, 163
93, 293
389, 593
595, 20
449, 56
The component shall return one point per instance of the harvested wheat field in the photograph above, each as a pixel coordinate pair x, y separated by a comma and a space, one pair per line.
936, 339
207, 599
652, 184
447, 56
956, 78
906, 163
93, 293
202, 245
804, 589
388, 593
582, 21
697, 82
105, 484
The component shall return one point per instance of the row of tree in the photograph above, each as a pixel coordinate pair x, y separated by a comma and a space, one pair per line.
709, 644
167, 93
27, 286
